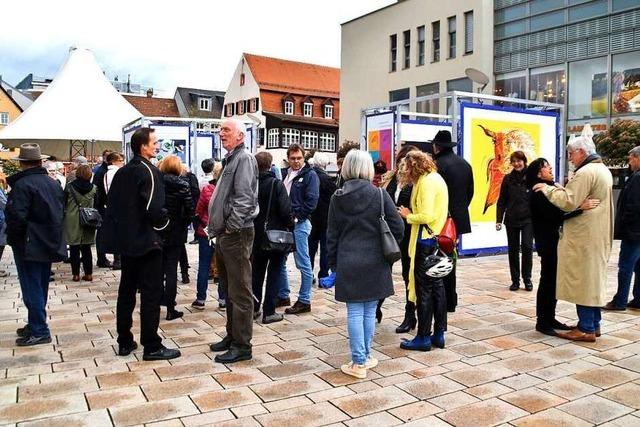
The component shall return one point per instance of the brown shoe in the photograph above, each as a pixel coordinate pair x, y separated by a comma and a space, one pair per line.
577, 335
612, 307
87, 278
76, 278
298, 308
283, 302
598, 332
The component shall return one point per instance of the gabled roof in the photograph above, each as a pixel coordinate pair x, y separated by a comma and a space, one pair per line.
189, 97
296, 77
20, 99
153, 107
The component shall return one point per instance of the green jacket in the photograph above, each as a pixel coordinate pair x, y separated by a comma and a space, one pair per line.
73, 233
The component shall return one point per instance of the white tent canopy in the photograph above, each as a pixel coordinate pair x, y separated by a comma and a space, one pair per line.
79, 105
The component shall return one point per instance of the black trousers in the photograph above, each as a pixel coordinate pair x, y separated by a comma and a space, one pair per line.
520, 238
184, 261
268, 263
450, 283
143, 273
546, 297
431, 301
75, 251
170, 256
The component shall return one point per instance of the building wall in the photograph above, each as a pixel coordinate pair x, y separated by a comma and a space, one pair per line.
249, 90
366, 79
8, 106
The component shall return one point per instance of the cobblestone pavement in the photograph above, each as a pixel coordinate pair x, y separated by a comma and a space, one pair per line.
495, 370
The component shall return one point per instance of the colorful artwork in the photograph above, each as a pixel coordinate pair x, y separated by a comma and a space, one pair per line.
172, 146
380, 137
626, 91
599, 84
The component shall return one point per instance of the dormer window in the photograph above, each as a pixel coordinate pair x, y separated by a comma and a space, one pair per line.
288, 107
204, 104
328, 111
242, 79
307, 109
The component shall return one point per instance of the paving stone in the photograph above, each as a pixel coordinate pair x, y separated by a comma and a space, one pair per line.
606, 376
453, 400
56, 389
303, 367
488, 390
625, 394
550, 418
308, 352
427, 388
208, 418
289, 388
480, 374
373, 401
336, 378
181, 387
153, 411
241, 378
288, 403
631, 363
42, 408
223, 399
533, 399
115, 397
414, 411
486, 413
306, 416
330, 394
595, 409
379, 419
249, 410
396, 366
518, 382
93, 419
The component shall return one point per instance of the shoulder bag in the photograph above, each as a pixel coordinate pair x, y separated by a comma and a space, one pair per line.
390, 247
279, 241
89, 217
446, 240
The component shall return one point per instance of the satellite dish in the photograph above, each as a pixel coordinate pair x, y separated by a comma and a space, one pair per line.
478, 77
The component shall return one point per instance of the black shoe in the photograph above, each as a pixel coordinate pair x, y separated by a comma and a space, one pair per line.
174, 314
378, 314
104, 264
31, 340
634, 305
185, 279
24, 332
116, 266
163, 353
408, 324
283, 302
298, 308
125, 350
232, 356
528, 286
197, 305
546, 330
611, 306
514, 287
223, 345
560, 326
272, 318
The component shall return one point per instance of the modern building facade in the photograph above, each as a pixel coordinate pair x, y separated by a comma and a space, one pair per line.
581, 53
409, 49
291, 102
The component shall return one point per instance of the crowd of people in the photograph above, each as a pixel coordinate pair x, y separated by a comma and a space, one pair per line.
248, 217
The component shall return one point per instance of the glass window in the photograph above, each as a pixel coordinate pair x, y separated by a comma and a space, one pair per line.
511, 85
625, 83
406, 37
273, 138
624, 4
588, 10
328, 111
327, 142
511, 13
572, 2
548, 84
435, 32
309, 140
421, 49
468, 32
393, 40
307, 109
288, 107
199, 126
511, 29
399, 94
4, 119
204, 104
588, 82
290, 136
464, 85
548, 20
432, 105
240, 107
537, 6
452, 36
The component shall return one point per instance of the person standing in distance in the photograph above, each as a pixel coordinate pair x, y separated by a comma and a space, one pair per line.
134, 217
233, 207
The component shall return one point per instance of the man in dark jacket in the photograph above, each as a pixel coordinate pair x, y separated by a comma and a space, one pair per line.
100, 203
303, 187
459, 178
627, 229
318, 236
135, 214
34, 217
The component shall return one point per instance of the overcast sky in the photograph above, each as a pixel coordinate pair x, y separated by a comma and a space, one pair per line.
193, 43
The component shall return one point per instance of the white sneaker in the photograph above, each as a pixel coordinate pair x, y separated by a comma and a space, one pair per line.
371, 363
357, 371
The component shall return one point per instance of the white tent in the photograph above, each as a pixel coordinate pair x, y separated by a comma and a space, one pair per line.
79, 113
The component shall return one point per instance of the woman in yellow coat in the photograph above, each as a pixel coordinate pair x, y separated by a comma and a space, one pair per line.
427, 216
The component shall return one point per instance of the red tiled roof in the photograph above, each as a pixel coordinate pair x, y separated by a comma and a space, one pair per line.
153, 107
296, 77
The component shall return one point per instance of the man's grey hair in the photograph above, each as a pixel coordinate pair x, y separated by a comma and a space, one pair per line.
239, 125
635, 152
320, 160
582, 143
357, 165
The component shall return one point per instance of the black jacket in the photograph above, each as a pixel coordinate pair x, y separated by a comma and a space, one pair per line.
179, 206
627, 225
101, 193
458, 175
135, 210
35, 215
194, 186
280, 217
304, 194
404, 199
327, 188
512, 208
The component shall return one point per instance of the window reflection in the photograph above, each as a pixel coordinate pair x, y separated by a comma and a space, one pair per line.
548, 84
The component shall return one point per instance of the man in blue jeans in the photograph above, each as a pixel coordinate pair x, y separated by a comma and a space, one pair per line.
627, 229
34, 216
303, 187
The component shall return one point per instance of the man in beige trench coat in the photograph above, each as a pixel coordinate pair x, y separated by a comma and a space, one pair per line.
585, 242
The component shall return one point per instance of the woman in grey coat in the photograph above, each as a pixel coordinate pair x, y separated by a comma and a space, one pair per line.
363, 276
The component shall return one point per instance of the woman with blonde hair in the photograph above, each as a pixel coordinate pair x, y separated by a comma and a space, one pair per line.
426, 215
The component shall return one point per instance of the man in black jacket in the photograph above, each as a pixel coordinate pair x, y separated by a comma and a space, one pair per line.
627, 229
100, 203
318, 236
457, 173
135, 214
34, 217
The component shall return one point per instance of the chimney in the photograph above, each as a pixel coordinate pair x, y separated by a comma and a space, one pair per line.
150, 92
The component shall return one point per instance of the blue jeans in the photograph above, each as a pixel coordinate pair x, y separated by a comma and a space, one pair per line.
588, 318
318, 238
303, 262
628, 263
205, 254
361, 325
282, 281
34, 283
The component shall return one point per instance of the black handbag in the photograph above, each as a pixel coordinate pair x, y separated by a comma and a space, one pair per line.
278, 241
390, 247
89, 217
